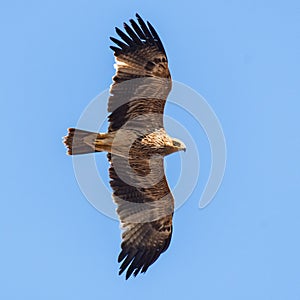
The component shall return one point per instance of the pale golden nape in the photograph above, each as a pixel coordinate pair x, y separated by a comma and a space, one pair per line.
162, 143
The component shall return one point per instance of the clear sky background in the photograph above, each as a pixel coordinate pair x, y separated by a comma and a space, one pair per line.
243, 57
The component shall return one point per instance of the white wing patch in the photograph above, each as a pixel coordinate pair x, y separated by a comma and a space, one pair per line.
120, 64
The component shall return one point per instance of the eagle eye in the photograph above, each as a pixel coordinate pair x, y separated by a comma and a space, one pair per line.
176, 144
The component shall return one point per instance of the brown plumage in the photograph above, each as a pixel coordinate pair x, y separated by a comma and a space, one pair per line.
136, 143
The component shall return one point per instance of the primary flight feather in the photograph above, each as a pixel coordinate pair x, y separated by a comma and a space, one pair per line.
137, 143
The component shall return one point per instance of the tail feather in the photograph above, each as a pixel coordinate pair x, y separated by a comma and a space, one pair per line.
81, 142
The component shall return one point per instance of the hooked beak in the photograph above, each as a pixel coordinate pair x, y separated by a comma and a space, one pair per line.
183, 147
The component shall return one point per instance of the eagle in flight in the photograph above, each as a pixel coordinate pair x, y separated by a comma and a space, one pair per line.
137, 143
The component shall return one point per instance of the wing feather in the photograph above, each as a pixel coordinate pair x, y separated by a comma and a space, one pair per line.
145, 28
122, 45
132, 34
125, 37
142, 81
145, 215
155, 35
137, 29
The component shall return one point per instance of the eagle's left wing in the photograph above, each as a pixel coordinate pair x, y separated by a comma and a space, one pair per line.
145, 209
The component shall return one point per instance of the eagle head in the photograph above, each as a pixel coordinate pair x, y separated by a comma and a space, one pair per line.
178, 145
171, 145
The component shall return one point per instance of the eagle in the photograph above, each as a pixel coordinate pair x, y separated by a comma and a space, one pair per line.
137, 143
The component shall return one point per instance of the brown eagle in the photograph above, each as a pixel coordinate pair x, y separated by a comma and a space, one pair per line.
137, 143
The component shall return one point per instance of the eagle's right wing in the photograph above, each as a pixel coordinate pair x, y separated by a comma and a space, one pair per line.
142, 81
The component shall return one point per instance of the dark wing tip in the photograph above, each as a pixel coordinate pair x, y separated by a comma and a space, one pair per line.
134, 262
116, 50
124, 37
141, 33
138, 261
156, 38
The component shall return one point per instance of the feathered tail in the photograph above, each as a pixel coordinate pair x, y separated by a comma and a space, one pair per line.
81, 142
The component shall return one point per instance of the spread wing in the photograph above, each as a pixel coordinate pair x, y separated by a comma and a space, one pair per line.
145, 208
140, 189
142, 81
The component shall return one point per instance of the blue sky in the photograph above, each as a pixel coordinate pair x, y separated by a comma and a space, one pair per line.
243, 57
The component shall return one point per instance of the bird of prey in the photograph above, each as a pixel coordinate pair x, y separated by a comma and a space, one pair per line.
137, 143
